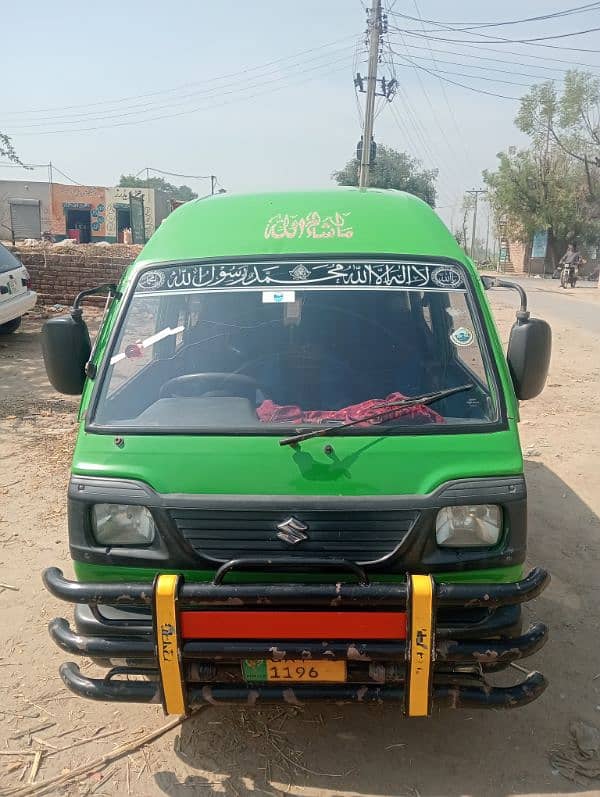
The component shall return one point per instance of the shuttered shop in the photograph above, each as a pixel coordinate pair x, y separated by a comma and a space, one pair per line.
25, 218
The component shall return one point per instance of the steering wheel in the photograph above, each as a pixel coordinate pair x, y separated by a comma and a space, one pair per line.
219, 384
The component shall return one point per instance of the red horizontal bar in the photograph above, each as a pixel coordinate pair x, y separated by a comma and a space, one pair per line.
293, 625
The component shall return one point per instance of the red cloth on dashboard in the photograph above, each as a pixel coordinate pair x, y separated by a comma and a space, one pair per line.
269, 412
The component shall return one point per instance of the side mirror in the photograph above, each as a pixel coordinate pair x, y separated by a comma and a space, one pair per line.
529, 345
66, 344
66, 348
529, 348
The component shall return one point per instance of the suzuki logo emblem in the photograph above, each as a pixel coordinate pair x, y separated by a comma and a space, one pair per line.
292, 531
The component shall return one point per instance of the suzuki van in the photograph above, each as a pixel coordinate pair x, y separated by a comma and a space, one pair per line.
298, 473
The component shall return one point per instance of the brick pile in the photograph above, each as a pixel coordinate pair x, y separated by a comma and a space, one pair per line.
59, 273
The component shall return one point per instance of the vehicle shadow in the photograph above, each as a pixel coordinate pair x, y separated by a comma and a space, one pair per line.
328, 750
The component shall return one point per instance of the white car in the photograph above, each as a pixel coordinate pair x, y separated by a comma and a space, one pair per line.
16, 296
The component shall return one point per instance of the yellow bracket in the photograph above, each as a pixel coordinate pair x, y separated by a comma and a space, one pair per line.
166, 625
421, 645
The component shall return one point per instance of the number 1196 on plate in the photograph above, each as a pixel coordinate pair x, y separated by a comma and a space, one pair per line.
294, 670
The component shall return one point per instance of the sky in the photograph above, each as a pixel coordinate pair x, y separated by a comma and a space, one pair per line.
261, 93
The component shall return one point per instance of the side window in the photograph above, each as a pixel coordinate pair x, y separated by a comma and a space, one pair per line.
463, 336
147, 318
8, 262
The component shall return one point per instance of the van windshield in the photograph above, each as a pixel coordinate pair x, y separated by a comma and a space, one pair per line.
274, 348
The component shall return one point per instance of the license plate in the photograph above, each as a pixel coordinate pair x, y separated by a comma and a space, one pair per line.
294, 670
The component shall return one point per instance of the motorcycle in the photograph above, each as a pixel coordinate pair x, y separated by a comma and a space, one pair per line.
568, 275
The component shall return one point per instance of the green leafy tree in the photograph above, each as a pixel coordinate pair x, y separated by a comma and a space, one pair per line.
542, 188
567, 118
7, 149
393, 169
181, 192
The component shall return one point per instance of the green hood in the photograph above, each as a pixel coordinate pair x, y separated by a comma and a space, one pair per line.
398, 465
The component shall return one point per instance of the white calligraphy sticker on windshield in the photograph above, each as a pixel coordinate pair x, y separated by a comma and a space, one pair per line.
281, 276
446, 277
462, 337
278, 297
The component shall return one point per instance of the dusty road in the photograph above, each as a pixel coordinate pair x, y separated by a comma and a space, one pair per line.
320, 751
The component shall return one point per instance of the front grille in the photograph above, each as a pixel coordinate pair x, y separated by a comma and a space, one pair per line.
360, 536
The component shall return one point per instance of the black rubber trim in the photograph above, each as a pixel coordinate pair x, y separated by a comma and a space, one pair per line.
495, 489
478, 695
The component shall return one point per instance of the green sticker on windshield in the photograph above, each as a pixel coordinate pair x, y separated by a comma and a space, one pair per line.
462, 337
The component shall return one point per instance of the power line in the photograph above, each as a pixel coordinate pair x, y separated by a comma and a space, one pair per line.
66, 176
420, 48
499, 39
455, 82
488, 69
185, 112
444, 93
176, 174
439, 71
434, 113
230, 88
534, 56
467, 25
424, 149
237, 74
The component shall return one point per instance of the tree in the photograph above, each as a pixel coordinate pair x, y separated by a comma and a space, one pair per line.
7, 149
461, 233
181, 192
393, 169
569, 119
542, 188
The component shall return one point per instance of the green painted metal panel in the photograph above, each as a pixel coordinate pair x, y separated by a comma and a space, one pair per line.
114, 573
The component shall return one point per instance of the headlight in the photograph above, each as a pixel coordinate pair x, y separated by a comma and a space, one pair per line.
462, 526
120, 524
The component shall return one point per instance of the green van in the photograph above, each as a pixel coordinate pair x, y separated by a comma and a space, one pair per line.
298, 473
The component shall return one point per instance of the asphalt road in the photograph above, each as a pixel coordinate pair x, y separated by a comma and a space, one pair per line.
576, 308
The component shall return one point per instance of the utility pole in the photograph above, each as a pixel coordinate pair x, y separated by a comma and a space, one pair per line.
475, 192
374, 36
213, 181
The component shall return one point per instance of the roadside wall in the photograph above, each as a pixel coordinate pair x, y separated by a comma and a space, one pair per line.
58, 273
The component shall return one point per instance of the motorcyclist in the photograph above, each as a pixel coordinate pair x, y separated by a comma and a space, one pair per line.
571, 259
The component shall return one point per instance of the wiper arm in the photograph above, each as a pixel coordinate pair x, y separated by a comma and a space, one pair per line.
381, 411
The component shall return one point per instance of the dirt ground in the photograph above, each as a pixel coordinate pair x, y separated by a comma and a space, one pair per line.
317, 751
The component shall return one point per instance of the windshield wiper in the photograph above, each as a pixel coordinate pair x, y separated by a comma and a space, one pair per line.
381, 411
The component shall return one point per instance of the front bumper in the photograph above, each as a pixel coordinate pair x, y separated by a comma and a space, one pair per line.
378, 669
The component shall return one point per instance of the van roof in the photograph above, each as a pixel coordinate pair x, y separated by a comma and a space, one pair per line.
340, 221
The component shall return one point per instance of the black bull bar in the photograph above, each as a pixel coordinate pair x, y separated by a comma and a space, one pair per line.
420, 671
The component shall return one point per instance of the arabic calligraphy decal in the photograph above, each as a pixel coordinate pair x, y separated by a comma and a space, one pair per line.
378, 275
312, 225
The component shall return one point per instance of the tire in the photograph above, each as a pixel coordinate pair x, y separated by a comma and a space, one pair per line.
563, 281
10, 326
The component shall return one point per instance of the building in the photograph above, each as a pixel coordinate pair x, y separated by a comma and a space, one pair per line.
87, 213
534, 257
